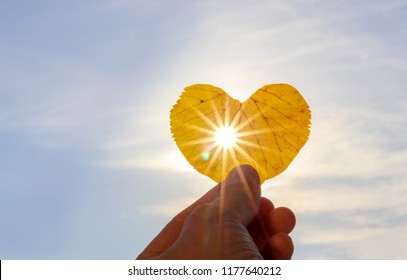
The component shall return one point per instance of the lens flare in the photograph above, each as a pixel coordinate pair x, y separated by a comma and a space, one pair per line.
205, 156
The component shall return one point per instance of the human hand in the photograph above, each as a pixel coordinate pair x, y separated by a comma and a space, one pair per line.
231, 221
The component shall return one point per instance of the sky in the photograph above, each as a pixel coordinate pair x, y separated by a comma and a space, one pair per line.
88, 167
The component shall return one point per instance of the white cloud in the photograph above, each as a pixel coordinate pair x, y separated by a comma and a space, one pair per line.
110, 93
353, 166
347, 188
169, 161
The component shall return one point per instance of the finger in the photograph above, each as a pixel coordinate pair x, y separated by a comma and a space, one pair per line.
281, 219
266, 206
258, 228
240, 193
210, 229
279, 247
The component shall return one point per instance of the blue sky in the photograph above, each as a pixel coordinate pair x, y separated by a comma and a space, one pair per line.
88, 168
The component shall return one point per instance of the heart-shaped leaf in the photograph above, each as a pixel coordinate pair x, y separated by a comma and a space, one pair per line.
216, 133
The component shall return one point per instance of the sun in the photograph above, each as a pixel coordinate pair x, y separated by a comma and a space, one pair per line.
226, 137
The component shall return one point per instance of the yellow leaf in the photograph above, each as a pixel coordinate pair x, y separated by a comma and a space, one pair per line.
216, 133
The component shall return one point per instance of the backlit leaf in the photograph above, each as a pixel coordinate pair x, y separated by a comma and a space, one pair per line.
270, 129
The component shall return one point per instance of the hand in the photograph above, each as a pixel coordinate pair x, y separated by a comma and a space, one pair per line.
231, 221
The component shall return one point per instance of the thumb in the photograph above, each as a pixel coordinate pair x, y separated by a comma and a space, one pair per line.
216, 230
240, 193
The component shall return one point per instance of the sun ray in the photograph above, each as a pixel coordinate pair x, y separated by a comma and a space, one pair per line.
201, 129
205, 118
252, 145
248, 120
227, 112
216, 112
204, 150
213, 159
200, 141
217, 133
252, 161
254, 132
237, 118
234, 156
252, 201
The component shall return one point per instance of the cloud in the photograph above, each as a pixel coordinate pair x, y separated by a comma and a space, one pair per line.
95, 93
347, 188
352, 168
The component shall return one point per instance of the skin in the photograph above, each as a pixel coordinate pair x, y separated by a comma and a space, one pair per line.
231, 221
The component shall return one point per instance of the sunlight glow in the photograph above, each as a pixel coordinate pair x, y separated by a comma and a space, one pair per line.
219, 140
226, 137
